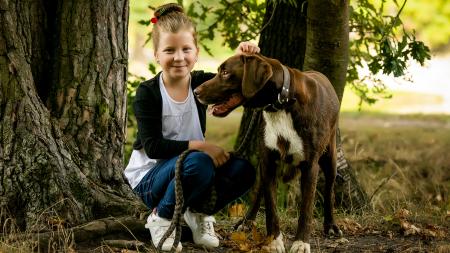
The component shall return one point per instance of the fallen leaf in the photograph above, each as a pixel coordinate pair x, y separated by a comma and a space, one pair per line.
238, 236
244, 247
349, 225
402, 213
434, 231
342, 240
236, 210
409, 229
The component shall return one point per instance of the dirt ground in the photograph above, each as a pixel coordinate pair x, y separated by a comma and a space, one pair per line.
366, 240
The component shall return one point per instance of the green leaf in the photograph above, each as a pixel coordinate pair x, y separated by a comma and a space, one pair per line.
144, 22
152, 68
419, 51
375, 66
388, 218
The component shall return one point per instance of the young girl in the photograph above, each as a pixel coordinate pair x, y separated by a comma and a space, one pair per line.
170, 120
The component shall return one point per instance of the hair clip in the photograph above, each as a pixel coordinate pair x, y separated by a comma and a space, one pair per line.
154, 20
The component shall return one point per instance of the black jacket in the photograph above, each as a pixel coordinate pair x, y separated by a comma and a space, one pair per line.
148, 111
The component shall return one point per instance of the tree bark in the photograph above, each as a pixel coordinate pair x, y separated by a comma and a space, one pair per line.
283, 37
327, 49
63, 109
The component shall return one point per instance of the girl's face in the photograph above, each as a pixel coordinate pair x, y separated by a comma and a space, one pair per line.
177, 54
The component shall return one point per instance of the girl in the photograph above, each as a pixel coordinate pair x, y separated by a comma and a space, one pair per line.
170, 120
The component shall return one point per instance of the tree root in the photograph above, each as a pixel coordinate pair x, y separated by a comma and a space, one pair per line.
90, 232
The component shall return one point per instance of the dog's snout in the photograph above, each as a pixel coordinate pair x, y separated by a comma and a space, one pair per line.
196, 92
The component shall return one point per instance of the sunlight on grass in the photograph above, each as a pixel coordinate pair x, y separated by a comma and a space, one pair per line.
401, 102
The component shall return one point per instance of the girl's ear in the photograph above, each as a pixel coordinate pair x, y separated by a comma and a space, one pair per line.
156, 56
196, 55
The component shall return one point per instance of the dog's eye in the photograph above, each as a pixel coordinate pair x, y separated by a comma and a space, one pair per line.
225, 73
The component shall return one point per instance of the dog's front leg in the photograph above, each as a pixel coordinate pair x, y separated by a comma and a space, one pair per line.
308, 183
269, 185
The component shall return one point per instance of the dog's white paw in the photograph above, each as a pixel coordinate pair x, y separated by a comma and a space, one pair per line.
246, 226
332, 233
276, 246
300, 247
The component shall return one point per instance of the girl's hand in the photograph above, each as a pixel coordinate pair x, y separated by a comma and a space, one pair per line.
247, 48
217, 154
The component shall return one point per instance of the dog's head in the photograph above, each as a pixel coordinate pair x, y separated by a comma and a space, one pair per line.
238, 80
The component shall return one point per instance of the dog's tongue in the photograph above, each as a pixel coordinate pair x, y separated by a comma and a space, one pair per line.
221, 110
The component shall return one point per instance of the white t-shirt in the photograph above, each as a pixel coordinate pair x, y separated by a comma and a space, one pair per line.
180, 122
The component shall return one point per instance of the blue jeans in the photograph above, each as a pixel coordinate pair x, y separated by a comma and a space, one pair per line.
232, 180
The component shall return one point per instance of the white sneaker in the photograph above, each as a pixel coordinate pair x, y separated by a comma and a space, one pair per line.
202, 227
158, 227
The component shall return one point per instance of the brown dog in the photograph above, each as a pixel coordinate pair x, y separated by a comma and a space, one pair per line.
300, 120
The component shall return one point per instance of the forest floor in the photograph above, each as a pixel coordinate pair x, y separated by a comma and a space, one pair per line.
402, 163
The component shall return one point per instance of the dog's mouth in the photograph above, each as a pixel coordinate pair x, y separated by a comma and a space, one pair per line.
224, 108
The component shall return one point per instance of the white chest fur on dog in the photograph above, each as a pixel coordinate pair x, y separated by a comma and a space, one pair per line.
280, 124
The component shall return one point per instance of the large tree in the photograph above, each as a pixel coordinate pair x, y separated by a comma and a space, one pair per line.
63, 71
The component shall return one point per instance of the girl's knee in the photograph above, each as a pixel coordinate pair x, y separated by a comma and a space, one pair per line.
199, 165
198, 157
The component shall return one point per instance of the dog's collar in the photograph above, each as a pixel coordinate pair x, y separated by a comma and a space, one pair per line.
283, 99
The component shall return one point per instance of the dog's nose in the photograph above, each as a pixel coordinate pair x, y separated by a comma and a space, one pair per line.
196, 92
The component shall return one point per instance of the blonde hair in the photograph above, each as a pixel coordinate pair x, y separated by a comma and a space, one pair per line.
171, 18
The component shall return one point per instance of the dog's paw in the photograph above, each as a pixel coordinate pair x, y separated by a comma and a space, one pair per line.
333, 231
245, 225
275, 246
300, 247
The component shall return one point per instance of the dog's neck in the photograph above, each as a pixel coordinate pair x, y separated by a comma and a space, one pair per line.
282, 79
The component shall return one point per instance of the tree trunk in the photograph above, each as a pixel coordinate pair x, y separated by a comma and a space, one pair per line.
63, 68
327, 51
283, 37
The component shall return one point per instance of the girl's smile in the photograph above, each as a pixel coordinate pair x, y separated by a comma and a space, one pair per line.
177, 54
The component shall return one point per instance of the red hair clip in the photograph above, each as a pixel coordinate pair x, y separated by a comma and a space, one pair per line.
154, 20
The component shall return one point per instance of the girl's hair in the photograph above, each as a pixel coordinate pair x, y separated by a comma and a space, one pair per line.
171, 18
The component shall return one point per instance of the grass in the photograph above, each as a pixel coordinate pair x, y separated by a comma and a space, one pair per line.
410, 151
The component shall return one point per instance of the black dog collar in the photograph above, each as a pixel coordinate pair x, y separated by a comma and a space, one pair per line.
283, 99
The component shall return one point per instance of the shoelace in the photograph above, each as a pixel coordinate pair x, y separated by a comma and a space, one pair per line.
208, 228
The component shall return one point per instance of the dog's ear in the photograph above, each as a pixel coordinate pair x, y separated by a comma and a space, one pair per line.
256, 74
